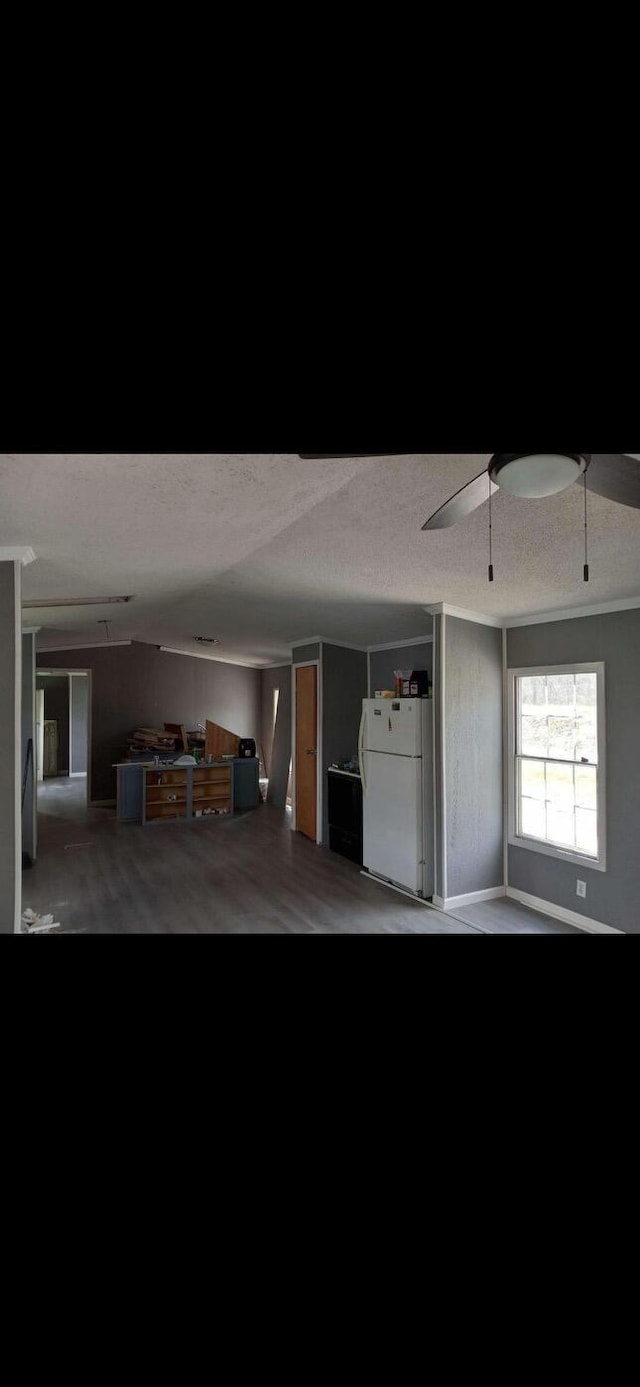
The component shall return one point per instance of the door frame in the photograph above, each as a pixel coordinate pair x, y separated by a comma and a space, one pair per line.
89, 674
306, 664
78, 775
39, 731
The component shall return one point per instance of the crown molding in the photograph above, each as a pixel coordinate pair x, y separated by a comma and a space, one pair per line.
199, 655
17, 553
401, 645
620, 604
90, 645
363, 649
480, 618
509, 623
344, 645
328, 640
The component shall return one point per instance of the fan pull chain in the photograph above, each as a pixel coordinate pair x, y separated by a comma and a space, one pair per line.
586, 532
490, 533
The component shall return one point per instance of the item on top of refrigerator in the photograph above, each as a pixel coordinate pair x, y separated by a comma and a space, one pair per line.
403, 677
385, 693
418, 684
400, 677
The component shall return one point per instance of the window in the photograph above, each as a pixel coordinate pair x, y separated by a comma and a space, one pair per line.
557, 764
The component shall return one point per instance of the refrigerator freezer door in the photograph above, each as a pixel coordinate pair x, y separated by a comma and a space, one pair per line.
393, 838
393, 726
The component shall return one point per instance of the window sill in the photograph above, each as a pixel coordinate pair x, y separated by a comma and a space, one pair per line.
531, 845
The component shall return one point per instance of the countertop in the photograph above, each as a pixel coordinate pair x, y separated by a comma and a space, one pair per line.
171, 766
351, 775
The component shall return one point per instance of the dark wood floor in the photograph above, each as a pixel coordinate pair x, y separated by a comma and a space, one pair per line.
509, 917
247, 874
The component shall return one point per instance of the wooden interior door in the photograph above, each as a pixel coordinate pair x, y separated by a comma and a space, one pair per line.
307, 751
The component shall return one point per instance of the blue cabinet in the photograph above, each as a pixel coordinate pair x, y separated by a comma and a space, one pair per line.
246, 782
245, 773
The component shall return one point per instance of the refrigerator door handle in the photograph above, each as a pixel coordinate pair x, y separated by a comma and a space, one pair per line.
361, 750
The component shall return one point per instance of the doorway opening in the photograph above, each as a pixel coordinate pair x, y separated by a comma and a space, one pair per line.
267, 767
63, 740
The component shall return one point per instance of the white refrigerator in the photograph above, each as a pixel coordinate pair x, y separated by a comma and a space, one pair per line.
396, 764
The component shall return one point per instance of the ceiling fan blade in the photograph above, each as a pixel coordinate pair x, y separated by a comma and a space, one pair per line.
615, 476
463, 503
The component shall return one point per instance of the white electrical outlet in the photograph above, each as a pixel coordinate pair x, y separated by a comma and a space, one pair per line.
582, 890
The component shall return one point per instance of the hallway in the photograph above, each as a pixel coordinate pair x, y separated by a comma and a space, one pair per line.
62, 797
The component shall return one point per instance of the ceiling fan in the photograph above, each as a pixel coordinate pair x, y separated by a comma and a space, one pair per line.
531, 476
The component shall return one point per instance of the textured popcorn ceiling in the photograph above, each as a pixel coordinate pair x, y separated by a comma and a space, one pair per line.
262, 549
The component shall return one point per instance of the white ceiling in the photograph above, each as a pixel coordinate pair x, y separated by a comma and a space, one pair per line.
262, 549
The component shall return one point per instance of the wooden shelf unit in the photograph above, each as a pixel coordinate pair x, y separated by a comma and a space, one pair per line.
172, 793
212, 789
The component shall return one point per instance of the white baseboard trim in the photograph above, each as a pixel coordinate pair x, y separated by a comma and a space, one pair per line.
474, 898
380, 881
558, 912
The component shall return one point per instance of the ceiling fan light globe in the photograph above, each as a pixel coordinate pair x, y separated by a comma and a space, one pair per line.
535, 475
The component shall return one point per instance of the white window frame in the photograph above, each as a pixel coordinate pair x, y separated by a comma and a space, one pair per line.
517, 840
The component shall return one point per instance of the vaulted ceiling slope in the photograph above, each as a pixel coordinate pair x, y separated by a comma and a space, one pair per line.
263, 549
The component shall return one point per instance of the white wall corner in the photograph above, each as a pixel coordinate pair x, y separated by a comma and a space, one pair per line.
473, 898
23, 554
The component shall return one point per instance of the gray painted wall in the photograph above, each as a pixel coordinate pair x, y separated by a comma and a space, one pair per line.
305, 653
277, 748
29, 816
473, 757
10, 780
439, 886
384, 662
79, 718
56, 706
343, 690
613, 897
137, 684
